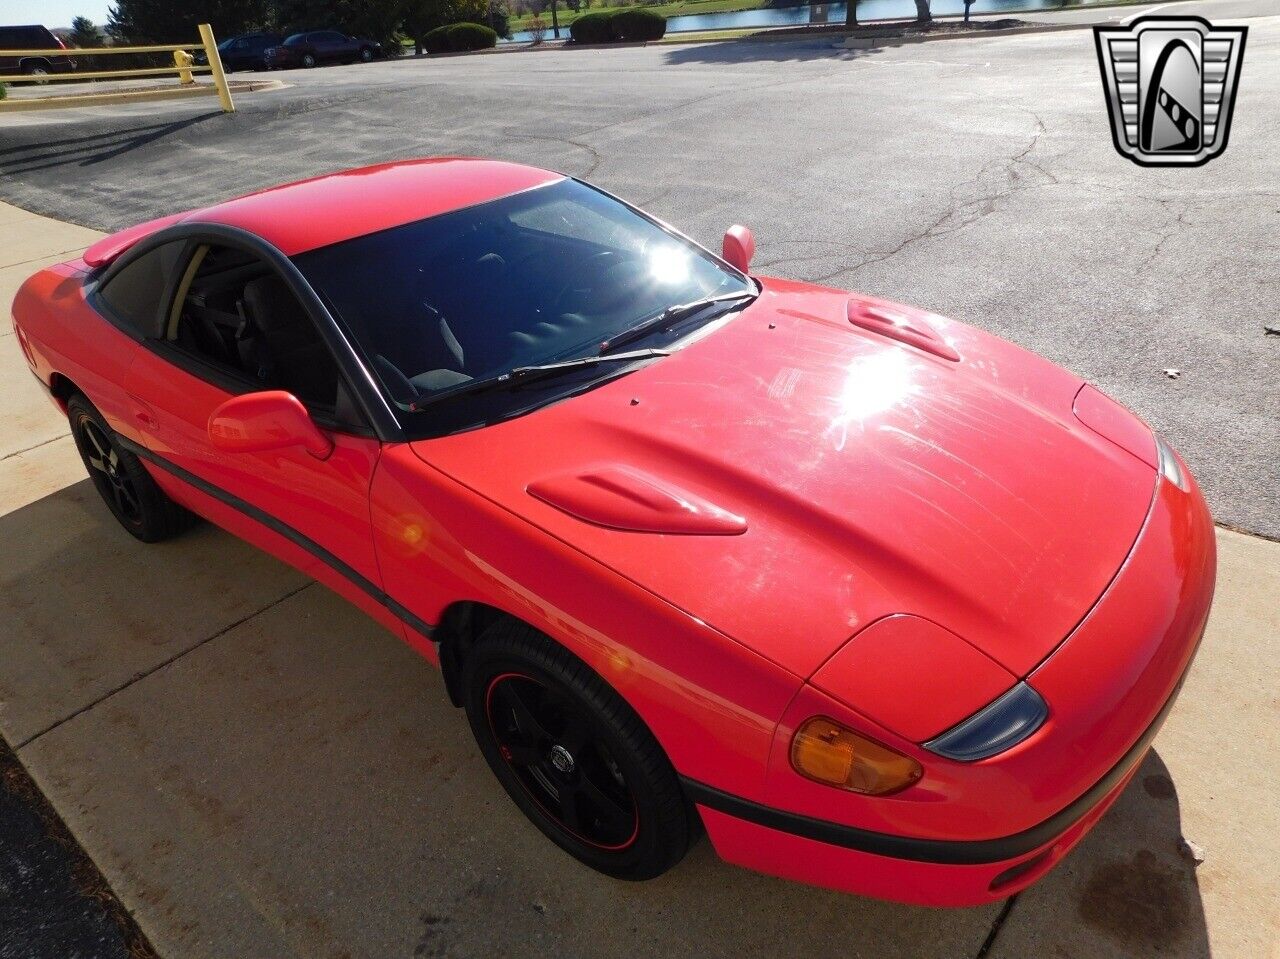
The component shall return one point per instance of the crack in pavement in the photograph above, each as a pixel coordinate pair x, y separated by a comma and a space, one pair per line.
143, 674
996, 926
28, 449
596, 158
964, 214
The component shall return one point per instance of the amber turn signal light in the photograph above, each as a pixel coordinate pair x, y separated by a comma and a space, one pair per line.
827, 752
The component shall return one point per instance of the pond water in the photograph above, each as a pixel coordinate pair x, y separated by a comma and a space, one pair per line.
832, 13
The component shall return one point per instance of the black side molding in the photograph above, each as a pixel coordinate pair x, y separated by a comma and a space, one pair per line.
943, 851
284, 529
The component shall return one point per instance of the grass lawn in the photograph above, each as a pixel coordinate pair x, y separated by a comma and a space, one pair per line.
673, 9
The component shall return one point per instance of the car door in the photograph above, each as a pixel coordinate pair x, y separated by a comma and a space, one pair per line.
238, 54
230, 325
334, 45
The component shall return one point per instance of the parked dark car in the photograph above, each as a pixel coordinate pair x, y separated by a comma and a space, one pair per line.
321, 46
244, 52
33, 38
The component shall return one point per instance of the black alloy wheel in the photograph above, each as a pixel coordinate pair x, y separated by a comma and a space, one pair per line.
124, 484
574, 756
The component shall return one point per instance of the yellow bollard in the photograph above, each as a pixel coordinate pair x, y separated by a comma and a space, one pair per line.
215, 67
183, 60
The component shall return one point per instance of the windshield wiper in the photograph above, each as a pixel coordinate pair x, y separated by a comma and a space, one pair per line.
669, 316
525, 374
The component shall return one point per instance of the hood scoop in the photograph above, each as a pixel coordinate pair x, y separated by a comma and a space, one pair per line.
622, 498
898, 324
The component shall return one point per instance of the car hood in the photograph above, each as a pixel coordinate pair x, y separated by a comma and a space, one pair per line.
794, 475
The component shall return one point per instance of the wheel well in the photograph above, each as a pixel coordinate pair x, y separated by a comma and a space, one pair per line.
462, 623
26, 62
62, 389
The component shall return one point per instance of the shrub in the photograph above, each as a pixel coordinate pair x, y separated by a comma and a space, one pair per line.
471, 36
537, 28
457, 37
2, 92
592, 28
437, 40
633, 25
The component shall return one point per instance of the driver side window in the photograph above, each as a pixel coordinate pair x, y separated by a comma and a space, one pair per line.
233, 312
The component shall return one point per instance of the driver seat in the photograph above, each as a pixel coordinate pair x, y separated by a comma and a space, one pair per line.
292, 355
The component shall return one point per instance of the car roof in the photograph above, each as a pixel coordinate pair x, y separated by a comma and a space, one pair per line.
307, 215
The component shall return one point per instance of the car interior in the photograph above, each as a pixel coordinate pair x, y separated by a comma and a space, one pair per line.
491, 297
234, 311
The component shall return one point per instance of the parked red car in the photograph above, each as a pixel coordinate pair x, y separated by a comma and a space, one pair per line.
884, 603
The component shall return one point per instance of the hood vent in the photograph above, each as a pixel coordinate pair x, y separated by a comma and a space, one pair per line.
905, 327
622, 498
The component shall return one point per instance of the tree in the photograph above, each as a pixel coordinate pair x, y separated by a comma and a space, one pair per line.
164, 21
376, 19
851, 14
85, 33
418, 17
922, 11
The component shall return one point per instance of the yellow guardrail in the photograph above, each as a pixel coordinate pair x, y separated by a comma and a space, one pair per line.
182, 68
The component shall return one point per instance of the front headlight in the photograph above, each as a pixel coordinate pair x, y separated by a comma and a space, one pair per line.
1170, 466
993, 729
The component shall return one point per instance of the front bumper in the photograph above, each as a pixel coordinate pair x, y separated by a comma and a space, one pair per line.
953, 839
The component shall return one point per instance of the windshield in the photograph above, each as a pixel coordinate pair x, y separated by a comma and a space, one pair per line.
549, 274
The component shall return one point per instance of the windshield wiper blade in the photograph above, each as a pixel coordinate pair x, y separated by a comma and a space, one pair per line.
669, 316
525, 374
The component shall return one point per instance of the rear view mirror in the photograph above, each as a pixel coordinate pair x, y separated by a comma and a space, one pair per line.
272, 420
739, 247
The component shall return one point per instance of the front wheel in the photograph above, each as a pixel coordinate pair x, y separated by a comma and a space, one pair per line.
308, 61
366, 54
574, 757
124, 484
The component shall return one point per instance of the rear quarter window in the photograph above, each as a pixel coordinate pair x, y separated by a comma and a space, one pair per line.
134, 294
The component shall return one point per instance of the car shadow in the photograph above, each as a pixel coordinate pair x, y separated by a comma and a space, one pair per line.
1129, 889
825, 46
299, 763
41, 153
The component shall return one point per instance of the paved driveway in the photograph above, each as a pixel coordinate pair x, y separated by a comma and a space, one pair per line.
974, 177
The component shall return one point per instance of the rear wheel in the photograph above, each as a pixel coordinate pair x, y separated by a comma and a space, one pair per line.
308, 61
573, 756
133, 497
37, 68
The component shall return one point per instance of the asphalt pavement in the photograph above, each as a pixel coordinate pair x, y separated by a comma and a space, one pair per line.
974, 177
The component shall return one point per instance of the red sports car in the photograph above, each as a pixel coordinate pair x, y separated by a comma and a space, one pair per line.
880, 601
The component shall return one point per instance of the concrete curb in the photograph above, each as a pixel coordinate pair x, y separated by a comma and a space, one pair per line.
145, 94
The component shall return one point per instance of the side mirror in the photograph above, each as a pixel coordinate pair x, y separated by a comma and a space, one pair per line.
272, 420
739, 247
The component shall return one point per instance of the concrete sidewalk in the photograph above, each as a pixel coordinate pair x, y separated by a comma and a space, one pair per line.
259, 770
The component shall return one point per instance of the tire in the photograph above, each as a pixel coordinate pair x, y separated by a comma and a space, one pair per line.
124, 484
37, 69
574, 757
308, 60
366, 55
